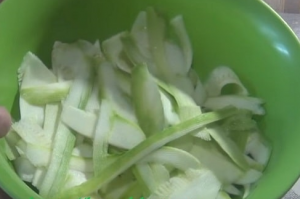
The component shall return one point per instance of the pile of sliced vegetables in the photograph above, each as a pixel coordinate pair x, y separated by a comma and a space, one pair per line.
133, 119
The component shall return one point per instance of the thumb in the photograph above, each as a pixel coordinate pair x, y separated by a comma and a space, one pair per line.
5, 122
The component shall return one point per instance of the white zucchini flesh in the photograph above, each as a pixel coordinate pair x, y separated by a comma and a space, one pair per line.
11, 152
24, 169
205, 150
220, 77
242, 102
31, 112
179, 28
31, 132
140, 34
75, 178
110, 91
258, 148
52, 113
194, 184
40, 156
85, 124
175, 58
113, 49
83, 150
200, 94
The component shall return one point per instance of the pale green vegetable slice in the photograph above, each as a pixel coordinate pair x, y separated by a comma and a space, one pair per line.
146, 92
75, 178
40, 156
38, 177
223, 195
181, 98
93, 103
70, 61
85, 124
160, 172
52, 113
247, 189
259, 148
31, 132
199, 94
110, 90
32, 112
144, 148
204, 151
145, 178
249, 177
254, 164
156, 36
81, 164
242, 102
102, 133
24, 169
125, 134
230, 147
175, 58
10, 151
180, 30
219, 78
64, 142
83, 150
195, 184
44, 94
12, 137
187, 112
184, 84
114, 50
124, 80
33, 72
170, 114
174, 157
187, 107
21, 147
79, 120
139, 32
150, 176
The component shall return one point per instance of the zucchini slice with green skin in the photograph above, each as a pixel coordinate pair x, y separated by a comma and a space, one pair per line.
146, 92
132, 156
174, 157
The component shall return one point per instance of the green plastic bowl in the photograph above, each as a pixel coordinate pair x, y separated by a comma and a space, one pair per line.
243, 34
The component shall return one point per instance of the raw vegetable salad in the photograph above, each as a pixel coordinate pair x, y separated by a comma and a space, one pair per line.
129, 117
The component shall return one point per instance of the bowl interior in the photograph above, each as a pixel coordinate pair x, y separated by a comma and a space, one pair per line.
245, 35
